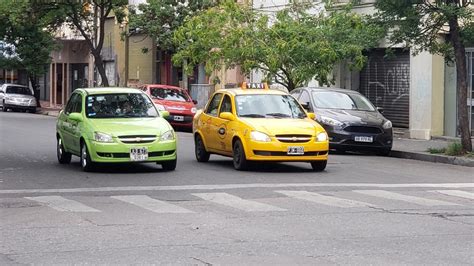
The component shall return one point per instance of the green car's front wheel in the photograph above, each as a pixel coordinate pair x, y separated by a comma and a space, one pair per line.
64, 157
169, 165
87, 164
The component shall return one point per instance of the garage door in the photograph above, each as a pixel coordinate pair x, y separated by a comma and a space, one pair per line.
385, 80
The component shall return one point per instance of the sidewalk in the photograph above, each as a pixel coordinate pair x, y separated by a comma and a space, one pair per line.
46, 109
417, 150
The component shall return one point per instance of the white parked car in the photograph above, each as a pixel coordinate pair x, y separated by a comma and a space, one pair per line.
17, 97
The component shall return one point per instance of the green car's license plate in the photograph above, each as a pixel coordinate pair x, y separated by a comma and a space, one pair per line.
139, 154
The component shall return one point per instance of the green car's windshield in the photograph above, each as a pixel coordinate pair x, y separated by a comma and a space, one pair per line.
120, 105
269, 106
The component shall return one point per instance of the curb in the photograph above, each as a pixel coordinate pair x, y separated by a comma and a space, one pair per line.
49, 113
434, 158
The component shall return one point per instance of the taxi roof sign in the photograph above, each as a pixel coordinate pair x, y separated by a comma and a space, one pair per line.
263, 86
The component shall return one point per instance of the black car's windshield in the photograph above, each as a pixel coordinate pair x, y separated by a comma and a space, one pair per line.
120, 105
341, 100
169, 94
18, 90
269, 106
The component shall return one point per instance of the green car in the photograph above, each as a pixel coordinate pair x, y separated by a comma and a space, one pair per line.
114, 125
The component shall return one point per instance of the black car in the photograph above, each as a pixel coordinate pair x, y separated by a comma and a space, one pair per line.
351, 120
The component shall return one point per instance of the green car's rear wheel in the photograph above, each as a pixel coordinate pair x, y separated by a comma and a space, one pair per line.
64, 157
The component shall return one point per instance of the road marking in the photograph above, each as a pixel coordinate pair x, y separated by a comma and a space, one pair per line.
397, 196
236, 202
62, 204
456, 193
323, 199
233, 186
151, 204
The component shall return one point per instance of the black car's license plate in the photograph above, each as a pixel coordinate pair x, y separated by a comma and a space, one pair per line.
363, 139
295, 150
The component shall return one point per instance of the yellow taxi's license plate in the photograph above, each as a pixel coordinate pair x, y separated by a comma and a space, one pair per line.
295, 150
138, 154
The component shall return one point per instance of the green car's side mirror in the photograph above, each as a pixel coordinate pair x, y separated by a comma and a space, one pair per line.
164, 114
75, 117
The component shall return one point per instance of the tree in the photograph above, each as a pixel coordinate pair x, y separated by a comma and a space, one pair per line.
88, 17
291, 49
160, 18
420, 23
27, 43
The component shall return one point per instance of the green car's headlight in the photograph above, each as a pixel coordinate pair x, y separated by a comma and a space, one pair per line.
102, 137
168, 135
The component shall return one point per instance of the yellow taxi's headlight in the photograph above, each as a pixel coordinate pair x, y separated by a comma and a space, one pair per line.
322, 137
259, 136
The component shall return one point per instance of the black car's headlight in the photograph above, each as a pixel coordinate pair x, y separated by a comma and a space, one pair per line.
387, 125
330, 121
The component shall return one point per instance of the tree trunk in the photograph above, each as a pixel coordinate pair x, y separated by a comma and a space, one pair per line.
291, 85
99, 64
461, 80
34, 85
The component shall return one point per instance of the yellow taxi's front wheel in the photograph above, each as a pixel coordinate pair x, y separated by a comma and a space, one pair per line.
240, 161
319, 166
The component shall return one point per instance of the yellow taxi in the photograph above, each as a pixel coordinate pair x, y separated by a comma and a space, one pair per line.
254, 123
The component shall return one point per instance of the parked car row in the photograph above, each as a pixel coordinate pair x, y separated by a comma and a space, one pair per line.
249, 124
17, 97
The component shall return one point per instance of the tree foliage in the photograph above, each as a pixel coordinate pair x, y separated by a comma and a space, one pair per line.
160, 18
26, 41
291, 48
421, 25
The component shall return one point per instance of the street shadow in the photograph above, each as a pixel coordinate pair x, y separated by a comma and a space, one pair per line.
124, 168
263, 167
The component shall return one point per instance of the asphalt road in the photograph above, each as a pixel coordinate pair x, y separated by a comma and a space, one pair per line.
363, 209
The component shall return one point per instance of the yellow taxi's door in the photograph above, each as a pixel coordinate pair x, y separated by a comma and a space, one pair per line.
207, 122
222, 127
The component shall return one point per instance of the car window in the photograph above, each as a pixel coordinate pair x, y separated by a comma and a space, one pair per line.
120, 105
214, 105
77, 106
226, 105
169, 94
18, 90
268, 106
341, 100
304, 98
70, 105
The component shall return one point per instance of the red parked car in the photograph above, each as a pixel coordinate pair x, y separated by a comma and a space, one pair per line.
176, 101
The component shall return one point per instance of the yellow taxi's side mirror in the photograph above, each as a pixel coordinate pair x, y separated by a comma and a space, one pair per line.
311, 116
227, 116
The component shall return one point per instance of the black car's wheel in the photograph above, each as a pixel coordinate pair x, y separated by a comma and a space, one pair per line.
4, 108
200, 150
32, 110
87, 164
64, 157
384, 152
319, 166
169, 165
239, 159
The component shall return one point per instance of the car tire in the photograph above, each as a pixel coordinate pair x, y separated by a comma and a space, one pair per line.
384, 152
202, 155
32, 110
239, 159
169, 165
319, 166
64, 157
87, 164
3, 107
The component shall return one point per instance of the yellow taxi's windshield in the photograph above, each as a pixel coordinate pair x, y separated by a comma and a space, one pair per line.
268, 106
